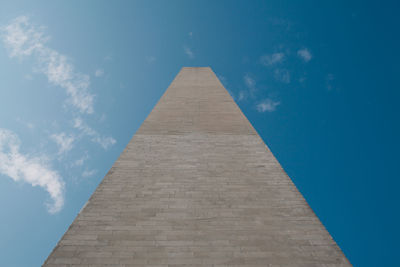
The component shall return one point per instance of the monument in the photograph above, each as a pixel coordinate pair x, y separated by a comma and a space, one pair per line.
196, 186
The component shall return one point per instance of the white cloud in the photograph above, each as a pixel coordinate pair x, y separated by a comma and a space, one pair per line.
151, 59
329, 81
285, 24
104, 141
80, 161
267, 105
32, 170
99, 73
88, 173
24, 39
250, 82
222, 79
282, 75
304, 54
251, 88
108, 58
242, 95
188, 52
28, 125
269, 60
64, 142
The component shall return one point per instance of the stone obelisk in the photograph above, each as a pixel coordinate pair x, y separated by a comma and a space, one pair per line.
196, 186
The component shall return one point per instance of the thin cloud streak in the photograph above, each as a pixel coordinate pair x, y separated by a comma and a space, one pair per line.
329, 81
64, 142
267, 105
24, 39
87, 173
32, 170
99, 73
104, 141
151, 59
250, 82
188, 52
269, 60
81, 160
251, 88
242, 95
282, 75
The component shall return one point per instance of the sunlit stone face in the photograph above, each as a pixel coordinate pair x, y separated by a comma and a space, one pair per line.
196, 186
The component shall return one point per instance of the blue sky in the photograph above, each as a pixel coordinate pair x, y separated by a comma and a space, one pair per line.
317, 79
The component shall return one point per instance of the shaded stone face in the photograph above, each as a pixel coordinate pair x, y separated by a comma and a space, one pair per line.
196, 186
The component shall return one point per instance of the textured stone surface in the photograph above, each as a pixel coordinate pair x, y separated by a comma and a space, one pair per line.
196, 186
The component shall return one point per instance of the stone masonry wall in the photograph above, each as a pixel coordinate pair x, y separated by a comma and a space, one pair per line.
196, 186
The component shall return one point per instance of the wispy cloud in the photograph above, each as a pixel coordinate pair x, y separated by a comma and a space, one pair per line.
284, 23
224, 82
28, 125
250, 90
282, 75
81, 160
242, 95
151, 59
269, 60
190, 34
28, 77
267, 105
223, 79
188, 52
64, 142
32, 170
88, 173
99, 73
304, 54
22, 39
329, 81
249, 81
104, 141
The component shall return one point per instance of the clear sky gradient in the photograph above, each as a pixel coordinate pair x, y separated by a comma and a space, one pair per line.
319, 81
